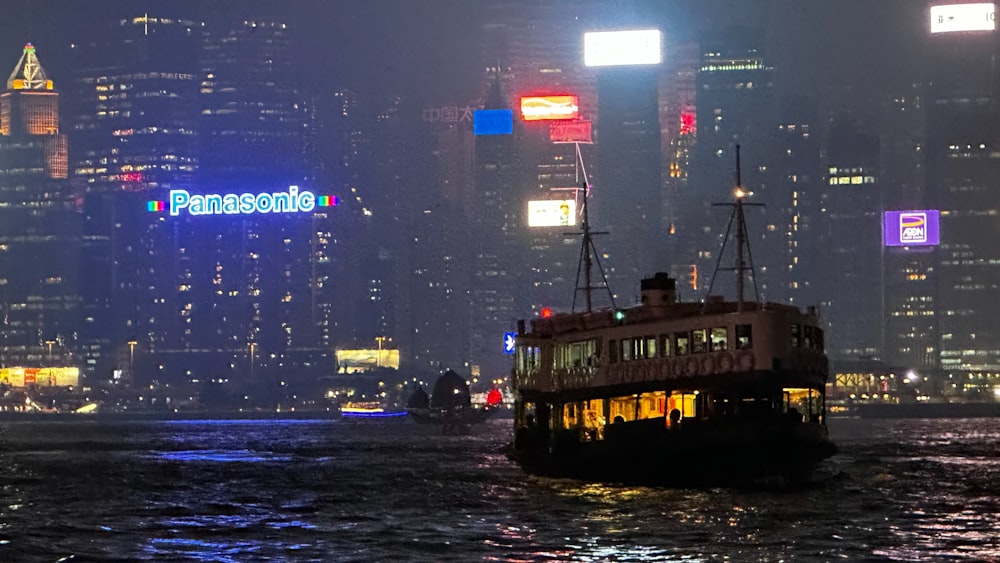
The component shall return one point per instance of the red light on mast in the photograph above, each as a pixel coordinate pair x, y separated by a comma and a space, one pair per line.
546, 312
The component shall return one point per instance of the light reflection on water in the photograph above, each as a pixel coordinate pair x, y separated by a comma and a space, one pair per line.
330, 491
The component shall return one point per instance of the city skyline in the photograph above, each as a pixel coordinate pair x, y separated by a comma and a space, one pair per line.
364, 103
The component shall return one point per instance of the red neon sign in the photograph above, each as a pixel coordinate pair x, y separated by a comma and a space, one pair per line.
542, 108
570, 132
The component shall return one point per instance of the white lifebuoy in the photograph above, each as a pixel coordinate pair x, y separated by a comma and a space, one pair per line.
693, 366
725, 362
665, 371
707, 365
745, 361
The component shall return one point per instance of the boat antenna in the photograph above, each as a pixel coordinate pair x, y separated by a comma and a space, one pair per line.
588, 257
744, 258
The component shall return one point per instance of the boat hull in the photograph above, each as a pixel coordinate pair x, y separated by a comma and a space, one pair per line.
441, 416
699, 455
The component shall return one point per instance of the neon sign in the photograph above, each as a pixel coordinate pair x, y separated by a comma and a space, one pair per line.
615, 48
539, 108
570, 132
911, 228
292, 201
493, 122
950, 18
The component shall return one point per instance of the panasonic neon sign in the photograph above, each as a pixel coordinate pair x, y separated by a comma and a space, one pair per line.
291, 201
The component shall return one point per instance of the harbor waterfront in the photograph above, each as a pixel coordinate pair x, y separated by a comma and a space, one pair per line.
318, 490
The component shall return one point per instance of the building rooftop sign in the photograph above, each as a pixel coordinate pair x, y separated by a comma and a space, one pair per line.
616, 48
547, 108
911, 228
291, 201
28, 74
949, 18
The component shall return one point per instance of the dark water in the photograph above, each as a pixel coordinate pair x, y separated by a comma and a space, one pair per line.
910, 490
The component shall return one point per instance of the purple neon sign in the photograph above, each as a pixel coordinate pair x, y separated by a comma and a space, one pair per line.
911, 228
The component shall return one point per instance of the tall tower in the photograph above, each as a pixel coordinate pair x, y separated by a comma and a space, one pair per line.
628, 192
536, 58
39, 225
851, 278
910, 310
499, 181
963, 182
135, 123
259, 279
735, 107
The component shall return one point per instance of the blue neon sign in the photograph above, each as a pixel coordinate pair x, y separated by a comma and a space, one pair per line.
493, 122
291, 201
509, 340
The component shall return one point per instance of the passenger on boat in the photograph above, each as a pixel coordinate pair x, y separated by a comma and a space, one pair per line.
675, 418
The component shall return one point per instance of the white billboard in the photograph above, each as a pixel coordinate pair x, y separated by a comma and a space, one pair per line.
949, 18
552, 213
614, 48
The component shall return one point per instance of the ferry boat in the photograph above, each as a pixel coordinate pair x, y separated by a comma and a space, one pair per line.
669, 392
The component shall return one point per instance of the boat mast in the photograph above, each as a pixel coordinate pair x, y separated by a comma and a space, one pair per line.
744, 258
588, 252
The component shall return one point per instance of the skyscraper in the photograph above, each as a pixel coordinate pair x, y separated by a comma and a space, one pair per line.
628, 192
962, 159
135, 120
735, 104
209, 108
39, 224
851, 272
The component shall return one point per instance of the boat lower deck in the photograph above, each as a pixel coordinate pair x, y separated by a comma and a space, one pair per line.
646, 452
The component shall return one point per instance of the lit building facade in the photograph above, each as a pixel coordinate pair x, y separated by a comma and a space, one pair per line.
39, 225
962, 157
910, 308
536, 58
135, 114
735, 106
850, 275
171, 104
628, 194
265, 280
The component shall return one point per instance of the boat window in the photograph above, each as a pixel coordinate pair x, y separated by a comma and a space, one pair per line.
593, 419
719, 339
575, 354
528, 358
527, 416
652, 404
802, 404
807, 337
571, 415
683, 403
682, 339
699, 341
650, 349
627, 350
613, 352
665, 348
795, 340
744, 337
623, 409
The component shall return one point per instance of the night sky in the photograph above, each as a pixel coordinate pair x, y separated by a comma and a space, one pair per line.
428, 47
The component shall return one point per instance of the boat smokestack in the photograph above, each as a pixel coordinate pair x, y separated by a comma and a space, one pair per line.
659, 290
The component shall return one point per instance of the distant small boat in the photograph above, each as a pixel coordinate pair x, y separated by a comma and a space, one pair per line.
369, 409
450, 404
